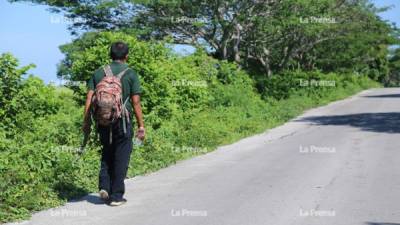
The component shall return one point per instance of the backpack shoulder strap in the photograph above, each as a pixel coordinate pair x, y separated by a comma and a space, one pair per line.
121, 74
107, 71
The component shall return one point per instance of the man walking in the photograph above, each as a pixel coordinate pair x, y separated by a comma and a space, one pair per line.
113, 96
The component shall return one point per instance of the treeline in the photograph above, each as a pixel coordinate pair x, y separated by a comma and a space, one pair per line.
265, 37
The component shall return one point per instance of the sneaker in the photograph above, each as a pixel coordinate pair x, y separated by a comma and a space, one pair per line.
117, 202
104, 195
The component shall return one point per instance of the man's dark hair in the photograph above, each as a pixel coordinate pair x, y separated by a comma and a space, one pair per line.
119, 50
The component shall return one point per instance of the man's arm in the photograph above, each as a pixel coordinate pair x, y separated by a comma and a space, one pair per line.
138, 114
86, 113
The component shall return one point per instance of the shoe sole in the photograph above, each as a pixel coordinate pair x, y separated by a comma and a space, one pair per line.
117, 203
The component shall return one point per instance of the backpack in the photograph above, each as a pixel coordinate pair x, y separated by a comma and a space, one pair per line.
107, 102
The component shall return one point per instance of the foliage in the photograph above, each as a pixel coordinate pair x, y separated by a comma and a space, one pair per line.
40, 124
394, 65
263, 36
192, 105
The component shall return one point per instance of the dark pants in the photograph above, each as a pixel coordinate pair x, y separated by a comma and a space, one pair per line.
115, 158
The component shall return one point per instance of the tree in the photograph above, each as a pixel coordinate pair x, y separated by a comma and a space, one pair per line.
363, 46
265, 36
394, 65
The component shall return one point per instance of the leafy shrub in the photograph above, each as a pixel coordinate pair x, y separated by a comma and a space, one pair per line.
191, 104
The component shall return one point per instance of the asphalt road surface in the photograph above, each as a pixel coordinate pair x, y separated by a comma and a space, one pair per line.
334, 165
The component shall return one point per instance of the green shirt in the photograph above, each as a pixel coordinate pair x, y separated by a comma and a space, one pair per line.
130, 81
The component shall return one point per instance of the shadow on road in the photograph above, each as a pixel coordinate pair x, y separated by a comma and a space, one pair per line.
94, 199
73, 193
371, 223
375, 122
383, 96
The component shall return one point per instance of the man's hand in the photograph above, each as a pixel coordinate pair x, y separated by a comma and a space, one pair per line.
141, 133
139, 117
86, 127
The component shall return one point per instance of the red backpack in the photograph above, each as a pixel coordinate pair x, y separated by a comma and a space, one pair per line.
107, 102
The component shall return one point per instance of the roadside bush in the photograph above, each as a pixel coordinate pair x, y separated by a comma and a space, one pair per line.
191, 104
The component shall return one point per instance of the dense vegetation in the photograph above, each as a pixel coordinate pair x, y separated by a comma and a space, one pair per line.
394, 65
257, 64
192, 104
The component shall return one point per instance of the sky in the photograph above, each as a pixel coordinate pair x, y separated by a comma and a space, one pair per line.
32, 34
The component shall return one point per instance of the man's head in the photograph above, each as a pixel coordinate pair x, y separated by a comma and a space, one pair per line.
119, 51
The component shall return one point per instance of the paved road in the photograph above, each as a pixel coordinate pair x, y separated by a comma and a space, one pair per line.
334, 165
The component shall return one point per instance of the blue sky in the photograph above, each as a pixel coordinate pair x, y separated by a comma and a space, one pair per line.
33, 34
27, 31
